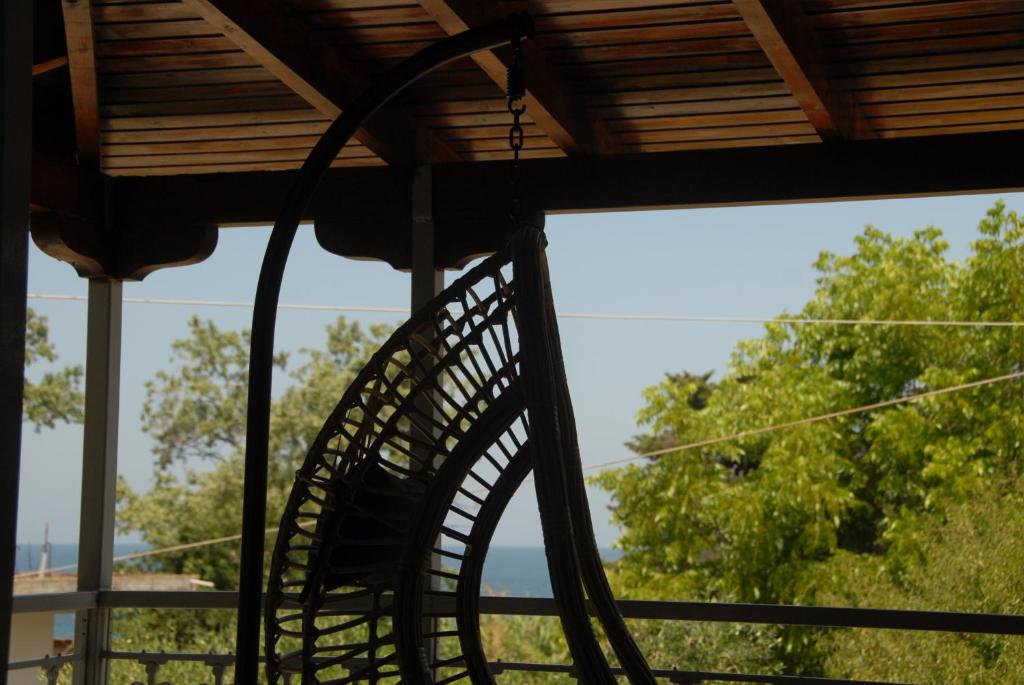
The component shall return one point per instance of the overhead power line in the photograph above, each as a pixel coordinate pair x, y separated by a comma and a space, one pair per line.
804, 422
237, 304
638, 457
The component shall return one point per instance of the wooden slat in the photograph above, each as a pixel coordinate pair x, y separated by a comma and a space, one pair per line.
644, 97
357, 35
548, 100
198, 77
155, 29
950, 118
173, 63
668, 65
49, 65
206, 106
199, 120
196, 158
142, 12
219, 168
720, 133
639, 19
793, 116
316, 72
952, 130
968, 104
542, 7
668, 32
917, 11
942, 92
249, 144
471, 119
343, 15
641, 50
82, 69
498, 145
234, 132
914, 31
493, 133
725, 105
678, 81
754, 142
502, 156
163, 46
1013, 38
787, 37
194, 92
1012, 57
925, 78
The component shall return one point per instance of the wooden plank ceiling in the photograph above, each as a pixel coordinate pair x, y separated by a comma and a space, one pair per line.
192, 86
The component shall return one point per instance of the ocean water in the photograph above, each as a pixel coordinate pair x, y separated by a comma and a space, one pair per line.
509, 571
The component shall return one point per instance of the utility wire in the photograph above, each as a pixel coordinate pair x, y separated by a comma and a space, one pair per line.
565, 315
646, 455
807, 421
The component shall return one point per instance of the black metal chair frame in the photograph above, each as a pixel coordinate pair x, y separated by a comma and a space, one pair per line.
434, 435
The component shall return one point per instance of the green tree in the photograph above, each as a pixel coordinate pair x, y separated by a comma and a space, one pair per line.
970, 561
196, 414
761, 518
57, 396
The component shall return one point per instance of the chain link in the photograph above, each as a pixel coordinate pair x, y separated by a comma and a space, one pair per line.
516, 91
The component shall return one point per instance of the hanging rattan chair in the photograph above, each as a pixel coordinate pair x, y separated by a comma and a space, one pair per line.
376, 573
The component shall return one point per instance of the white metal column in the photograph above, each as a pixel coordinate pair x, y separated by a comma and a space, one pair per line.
99, 475
15, 164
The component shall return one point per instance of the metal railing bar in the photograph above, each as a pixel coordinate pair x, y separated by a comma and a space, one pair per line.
690, 677
774, 614
162, 599
54, 602
498, 667
227, 659
44, 662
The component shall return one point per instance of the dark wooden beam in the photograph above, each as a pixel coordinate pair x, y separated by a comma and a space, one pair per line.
15, 157
787, 37
367, 210
548, 100
287, 47
82, 67
61, 187
74, 221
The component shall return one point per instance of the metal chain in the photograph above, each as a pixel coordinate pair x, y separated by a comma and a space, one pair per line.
516, 91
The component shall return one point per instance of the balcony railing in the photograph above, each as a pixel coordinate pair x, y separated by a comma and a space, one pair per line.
823, 617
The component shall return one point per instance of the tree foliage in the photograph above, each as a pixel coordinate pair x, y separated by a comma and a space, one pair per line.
57, 396
196, 414
763, 518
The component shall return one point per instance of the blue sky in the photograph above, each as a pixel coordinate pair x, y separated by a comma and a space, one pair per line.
750, 261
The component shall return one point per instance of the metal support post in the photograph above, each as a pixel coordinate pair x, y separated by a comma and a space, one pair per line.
427, 283
99, 475
427, 279
15, 164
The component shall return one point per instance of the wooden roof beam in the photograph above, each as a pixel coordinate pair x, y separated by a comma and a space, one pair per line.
786, 35
548, 101
82, 68
49, 65
316, 71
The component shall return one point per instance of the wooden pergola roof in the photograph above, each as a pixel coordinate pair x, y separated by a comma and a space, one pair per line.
211, 91
195, 86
